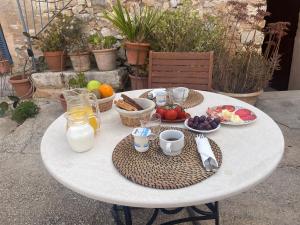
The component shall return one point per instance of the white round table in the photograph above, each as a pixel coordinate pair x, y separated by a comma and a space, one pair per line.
250, 154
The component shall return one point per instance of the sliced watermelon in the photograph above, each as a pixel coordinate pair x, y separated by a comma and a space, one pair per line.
230, 108
243, 112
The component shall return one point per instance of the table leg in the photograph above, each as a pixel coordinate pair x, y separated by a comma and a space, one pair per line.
195, 214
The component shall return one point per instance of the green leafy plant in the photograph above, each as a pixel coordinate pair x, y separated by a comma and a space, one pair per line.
135, 28
75, 39
239, 65
99, 42
78, 82
53, 38
24, 110
184, 30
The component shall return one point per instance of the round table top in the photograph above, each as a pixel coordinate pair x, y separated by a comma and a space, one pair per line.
250, 154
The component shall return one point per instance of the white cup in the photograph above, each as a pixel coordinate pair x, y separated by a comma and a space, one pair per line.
171, 142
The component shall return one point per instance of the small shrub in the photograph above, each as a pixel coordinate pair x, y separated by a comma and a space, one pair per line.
24, 110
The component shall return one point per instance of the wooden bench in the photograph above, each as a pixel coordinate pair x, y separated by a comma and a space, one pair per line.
187, 69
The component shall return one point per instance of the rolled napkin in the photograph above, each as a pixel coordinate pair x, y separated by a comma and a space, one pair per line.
207, 156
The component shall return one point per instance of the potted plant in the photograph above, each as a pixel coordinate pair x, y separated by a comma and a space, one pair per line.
22, 84
104, 51
135, 28
241, 69
138, 77
53, 44
183, 30
77, 45
4, 65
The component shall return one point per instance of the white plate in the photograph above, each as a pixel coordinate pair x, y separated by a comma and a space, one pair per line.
244, 122
200, 131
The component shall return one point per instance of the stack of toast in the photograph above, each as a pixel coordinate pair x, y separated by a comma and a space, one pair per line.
128, 104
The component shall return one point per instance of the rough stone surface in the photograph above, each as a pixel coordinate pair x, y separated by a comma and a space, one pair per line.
50, 83
29, 195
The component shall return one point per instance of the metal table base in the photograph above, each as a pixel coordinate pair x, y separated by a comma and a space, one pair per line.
195, 214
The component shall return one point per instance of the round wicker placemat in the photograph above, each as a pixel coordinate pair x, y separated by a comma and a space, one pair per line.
194, 98
156, 170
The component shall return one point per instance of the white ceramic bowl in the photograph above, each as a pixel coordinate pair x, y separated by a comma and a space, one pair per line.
200, 131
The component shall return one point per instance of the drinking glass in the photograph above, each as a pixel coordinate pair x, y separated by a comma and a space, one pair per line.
153, 123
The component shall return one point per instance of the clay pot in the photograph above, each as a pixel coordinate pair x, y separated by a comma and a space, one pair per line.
250, 98
106, 59
22, 86
4, 66
55, 60
63, 102
137, 53
80, 61
138, 82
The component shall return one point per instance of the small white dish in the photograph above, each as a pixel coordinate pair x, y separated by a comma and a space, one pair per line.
200, 131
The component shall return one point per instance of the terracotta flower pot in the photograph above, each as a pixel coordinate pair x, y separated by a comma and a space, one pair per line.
138, 82
250, 98
63, 102
137, 53
106, 59
55, 60
4, 66
22, 86
80, 61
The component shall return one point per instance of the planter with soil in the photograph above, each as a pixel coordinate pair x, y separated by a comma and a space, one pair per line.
55, 60
4, 66
138, 82
137, 53
22, 86
106, 59
250, 98
80, 61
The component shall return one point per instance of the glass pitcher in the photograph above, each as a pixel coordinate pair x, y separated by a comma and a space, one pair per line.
81, 99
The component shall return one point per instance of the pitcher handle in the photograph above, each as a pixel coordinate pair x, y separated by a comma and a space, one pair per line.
95, 105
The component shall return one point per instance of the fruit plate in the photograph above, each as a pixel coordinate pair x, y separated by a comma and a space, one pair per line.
200, 131
232, 115
177, 120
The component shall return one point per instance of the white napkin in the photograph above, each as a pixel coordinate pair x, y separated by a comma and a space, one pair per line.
207, 156
155, 91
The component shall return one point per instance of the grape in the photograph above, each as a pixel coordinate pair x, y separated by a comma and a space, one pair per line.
209, 119
191, 120
217, 120
202, 118
201, 127
208, 127
190, 123
213, 124
197, 119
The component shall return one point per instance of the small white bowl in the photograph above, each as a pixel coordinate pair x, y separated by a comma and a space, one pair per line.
200, 131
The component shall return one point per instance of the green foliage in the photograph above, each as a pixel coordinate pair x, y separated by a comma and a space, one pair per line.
53, 38
99, 42
135, 28
24, 110
78, 82
184, 30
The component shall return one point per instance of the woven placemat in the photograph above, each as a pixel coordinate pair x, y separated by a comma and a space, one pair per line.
194, 98
156, 170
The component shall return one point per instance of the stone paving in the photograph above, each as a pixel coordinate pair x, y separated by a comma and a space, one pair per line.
29, 195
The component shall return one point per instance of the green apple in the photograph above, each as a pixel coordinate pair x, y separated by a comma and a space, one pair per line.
93, 84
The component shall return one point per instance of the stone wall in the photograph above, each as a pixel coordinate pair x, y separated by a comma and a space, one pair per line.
90, 11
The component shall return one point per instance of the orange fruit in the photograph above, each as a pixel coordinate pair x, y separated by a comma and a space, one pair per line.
106, 90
